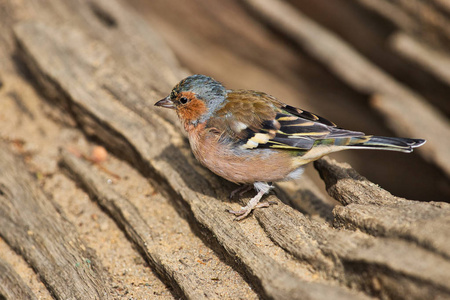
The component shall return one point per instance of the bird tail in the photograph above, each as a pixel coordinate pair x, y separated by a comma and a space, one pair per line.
384, 143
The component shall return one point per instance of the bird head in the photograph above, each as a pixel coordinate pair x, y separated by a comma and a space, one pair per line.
195, 98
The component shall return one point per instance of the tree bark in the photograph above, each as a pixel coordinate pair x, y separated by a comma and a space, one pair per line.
102, 66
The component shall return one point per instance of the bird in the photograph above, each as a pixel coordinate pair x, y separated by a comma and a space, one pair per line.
253, 139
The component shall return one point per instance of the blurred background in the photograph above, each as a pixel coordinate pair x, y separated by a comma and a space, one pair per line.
253, 45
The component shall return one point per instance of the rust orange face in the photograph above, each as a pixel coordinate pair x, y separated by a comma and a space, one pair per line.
189, 108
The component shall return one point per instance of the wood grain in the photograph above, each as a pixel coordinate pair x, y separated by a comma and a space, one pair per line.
100, 65
32, 225
130, 136
188, 282
11, 285
374, 210
337, 254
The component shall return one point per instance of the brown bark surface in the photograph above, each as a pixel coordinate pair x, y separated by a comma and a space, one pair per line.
147, 221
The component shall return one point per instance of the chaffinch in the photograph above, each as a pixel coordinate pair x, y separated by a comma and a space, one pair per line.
251, 138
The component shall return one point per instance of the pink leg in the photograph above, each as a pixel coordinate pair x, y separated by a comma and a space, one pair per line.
253, 203
241, 190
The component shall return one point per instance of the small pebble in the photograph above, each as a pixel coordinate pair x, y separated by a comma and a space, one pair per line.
99, 154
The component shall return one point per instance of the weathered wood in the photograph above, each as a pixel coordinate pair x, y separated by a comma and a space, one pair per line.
190, 282
164, 158
425, 19
389, 267
340, 58
434, 61
31, 225
109, 89
390, 11
11, 285
374, 210
443, 4
305, 196
340, 255
343, 254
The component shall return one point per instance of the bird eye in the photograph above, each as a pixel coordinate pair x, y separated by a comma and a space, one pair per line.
184, 100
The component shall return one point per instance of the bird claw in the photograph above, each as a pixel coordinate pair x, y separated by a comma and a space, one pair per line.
246, 210
240, 214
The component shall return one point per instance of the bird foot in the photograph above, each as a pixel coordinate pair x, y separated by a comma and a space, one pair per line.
262, 188
252, 204
246, 210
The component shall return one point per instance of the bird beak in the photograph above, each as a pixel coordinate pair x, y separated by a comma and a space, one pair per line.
166, 102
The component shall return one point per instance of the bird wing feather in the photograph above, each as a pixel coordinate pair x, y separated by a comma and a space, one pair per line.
258, 120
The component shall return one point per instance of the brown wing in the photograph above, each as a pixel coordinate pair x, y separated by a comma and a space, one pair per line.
258, 120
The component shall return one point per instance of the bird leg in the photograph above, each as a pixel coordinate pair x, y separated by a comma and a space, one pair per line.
241, 190
262, 188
